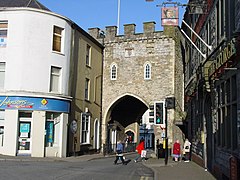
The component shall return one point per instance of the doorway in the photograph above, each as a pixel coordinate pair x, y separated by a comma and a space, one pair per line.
24, 136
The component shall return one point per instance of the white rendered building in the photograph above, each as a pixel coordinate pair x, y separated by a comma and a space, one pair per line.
34, 72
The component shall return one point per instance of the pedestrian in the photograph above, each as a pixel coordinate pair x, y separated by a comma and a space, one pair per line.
176, 151
119, 153
186, 150
140, 149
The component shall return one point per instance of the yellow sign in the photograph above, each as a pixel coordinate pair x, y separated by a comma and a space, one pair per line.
223, 57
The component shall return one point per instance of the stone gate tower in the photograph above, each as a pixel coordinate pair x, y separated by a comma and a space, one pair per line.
140, 69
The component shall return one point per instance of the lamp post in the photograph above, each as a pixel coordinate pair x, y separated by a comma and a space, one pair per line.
166, 135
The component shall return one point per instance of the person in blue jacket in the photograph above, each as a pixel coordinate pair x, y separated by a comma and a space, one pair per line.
119, 153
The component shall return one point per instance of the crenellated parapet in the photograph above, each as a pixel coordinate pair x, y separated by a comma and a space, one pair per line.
129, 34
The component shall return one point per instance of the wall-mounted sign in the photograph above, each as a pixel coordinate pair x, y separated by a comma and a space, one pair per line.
3, 41
24, 127
170, 16
34, 103
24, 130
74, 126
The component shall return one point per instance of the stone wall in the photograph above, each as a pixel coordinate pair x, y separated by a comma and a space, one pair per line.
130, 52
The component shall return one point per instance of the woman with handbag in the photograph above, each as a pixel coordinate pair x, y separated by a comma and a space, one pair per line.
186, 148
140, 147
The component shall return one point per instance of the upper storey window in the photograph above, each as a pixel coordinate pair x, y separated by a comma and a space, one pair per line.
3, 33
2, 74
220, 10
113, 72
147, 71
57, 39
55, 79
87, 88
88, 55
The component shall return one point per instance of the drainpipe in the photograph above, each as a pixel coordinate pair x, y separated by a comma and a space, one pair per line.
70, 89
204, 140
102, 35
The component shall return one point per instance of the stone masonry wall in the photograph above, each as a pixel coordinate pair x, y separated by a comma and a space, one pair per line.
130, 52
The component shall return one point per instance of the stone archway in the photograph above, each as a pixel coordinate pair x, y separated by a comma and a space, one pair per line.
122, 112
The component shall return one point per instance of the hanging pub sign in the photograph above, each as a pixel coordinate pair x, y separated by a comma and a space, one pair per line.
170, 16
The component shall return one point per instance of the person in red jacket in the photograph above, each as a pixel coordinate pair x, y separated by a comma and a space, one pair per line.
176, 151
139, 149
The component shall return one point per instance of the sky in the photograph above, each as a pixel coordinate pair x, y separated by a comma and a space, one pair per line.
102, 13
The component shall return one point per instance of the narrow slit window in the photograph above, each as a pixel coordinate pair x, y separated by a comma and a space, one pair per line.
113, 72
147, 71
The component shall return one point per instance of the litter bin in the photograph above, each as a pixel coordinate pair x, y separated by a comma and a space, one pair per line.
160, 151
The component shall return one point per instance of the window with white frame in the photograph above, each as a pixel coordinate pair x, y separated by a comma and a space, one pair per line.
147, 71
52, 129
2, 74
3, 33
88, 55
87, 85
2, 118
55, 79
113, 72
85, 129
57, 39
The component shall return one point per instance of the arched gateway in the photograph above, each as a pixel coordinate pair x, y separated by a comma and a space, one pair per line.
125, 111
138, 70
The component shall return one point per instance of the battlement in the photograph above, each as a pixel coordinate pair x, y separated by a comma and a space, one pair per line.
129, 31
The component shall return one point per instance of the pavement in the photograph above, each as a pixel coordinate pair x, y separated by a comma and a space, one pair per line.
177, 170
173, 170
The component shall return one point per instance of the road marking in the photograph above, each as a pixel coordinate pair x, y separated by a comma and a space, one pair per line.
146, 178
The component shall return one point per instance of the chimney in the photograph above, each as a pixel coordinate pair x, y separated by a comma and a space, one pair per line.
129, 29
149, 27
94, 32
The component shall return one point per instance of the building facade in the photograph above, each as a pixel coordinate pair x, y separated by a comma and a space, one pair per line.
86, 91
139, 70
40, 84
211, 86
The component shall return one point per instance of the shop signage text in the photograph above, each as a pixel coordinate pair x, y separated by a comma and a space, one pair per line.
34, 103
222, 58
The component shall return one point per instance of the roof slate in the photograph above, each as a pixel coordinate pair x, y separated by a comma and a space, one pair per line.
23, 3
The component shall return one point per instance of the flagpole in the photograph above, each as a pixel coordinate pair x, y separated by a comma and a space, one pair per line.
118, 18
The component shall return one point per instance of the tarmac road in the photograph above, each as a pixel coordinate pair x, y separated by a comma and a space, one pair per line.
97, 167
71, 169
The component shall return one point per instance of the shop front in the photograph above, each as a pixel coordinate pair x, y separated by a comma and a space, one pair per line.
224, 82
33, 126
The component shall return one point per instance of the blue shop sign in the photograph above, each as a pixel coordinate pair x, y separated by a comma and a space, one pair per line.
34, 103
